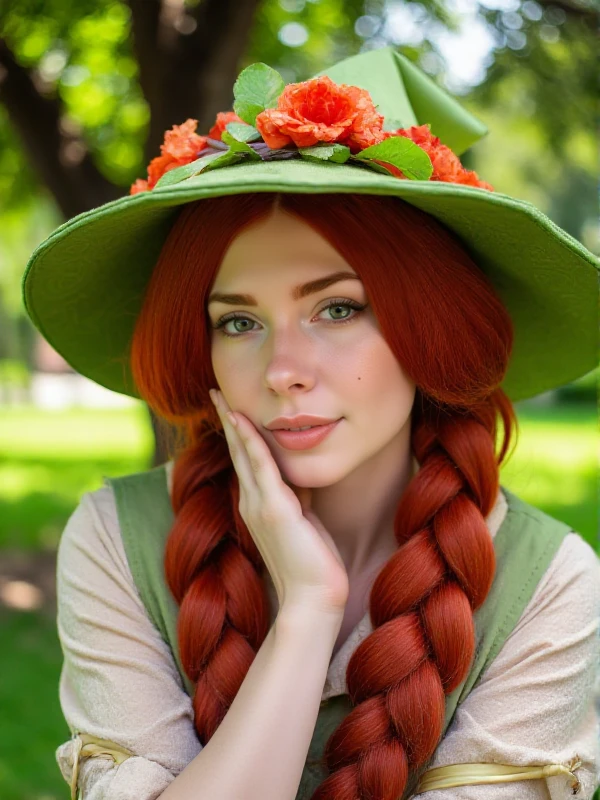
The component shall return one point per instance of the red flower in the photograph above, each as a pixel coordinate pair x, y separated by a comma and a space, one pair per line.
319, 110
223, 118
181, 146
139, 186
182, 143
446, 164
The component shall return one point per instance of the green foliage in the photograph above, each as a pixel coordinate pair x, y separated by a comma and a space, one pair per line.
546, 66
257, 87
402, 153
13, 372
32, 722
243, 132
203, 164
338, 153
82, 52
178, 174
236, 146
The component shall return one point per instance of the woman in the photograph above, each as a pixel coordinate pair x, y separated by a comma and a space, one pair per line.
336, 613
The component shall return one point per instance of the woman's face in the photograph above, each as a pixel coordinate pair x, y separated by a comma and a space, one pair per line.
287, 356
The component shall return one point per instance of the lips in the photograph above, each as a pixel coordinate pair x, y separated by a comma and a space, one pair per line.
298, 421
303, 440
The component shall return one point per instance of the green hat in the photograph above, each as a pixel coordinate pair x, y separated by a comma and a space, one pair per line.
84, 285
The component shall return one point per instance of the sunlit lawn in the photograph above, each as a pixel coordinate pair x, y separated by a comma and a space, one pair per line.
47, 460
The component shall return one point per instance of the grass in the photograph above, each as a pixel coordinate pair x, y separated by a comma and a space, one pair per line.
32, 722
48, 459
555, 465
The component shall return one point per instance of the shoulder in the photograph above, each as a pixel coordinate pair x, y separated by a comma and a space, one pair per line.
528, 514
573, 571
574, 563
93, 531
92, 537
570, 586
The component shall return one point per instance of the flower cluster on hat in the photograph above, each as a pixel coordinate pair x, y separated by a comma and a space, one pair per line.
181, 146
317, 120
446, 164
319, 110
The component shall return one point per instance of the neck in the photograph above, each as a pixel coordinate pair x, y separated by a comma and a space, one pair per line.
359, 510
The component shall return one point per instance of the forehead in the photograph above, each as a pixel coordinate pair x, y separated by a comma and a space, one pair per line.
280, 247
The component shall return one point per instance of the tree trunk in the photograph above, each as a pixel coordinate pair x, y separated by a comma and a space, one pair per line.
164, 439
188, 59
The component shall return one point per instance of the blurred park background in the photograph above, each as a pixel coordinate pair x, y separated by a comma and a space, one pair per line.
87, 89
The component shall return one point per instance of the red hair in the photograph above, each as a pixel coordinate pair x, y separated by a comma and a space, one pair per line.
453, 337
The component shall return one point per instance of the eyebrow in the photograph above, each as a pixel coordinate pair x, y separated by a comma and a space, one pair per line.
297, 292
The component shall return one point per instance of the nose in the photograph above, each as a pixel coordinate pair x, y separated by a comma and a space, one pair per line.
290, 367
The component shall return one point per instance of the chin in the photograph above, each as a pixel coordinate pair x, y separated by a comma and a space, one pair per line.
306, 476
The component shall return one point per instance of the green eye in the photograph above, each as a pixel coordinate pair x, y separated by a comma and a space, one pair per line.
340, 301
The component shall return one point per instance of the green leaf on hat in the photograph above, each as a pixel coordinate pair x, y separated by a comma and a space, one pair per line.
257, 87
227, 158
326, 152
239, 147
186, 171
367, 163
403, 153
243, 132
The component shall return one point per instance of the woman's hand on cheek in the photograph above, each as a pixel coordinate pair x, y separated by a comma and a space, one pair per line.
302, 559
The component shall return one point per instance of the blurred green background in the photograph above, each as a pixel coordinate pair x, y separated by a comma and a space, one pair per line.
87, 89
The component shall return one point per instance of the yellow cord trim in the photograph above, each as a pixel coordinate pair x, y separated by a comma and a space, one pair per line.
468, 774
87, 746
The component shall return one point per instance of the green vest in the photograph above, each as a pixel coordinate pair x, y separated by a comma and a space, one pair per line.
525, 544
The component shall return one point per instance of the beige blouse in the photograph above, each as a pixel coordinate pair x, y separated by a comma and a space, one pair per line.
537, 704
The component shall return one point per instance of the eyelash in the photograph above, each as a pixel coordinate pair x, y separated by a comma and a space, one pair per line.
338, 301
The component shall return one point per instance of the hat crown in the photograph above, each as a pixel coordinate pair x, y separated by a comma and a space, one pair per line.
403, 93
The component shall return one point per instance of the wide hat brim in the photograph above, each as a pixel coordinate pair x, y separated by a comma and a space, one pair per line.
84, 285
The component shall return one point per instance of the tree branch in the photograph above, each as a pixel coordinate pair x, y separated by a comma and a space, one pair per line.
201, 66
62, 161
145, 22
226, 26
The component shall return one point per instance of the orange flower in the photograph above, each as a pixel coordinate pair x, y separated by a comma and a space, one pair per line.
139, 186
223, 118
161, 164
181, 146
182, 143
446, 164
319, 110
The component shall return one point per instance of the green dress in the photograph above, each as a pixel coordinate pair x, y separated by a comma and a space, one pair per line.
525, 544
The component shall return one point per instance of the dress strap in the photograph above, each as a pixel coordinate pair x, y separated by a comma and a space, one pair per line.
469, 774
87, 746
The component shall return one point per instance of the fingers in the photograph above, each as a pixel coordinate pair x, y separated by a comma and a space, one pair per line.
249, 451
236, 445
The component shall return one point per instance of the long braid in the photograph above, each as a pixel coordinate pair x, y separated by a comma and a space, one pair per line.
212, 567
421, 606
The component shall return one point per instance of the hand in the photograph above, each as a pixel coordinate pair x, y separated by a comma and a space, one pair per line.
302, 559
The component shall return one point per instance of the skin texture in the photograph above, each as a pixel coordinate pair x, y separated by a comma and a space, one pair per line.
296, 356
